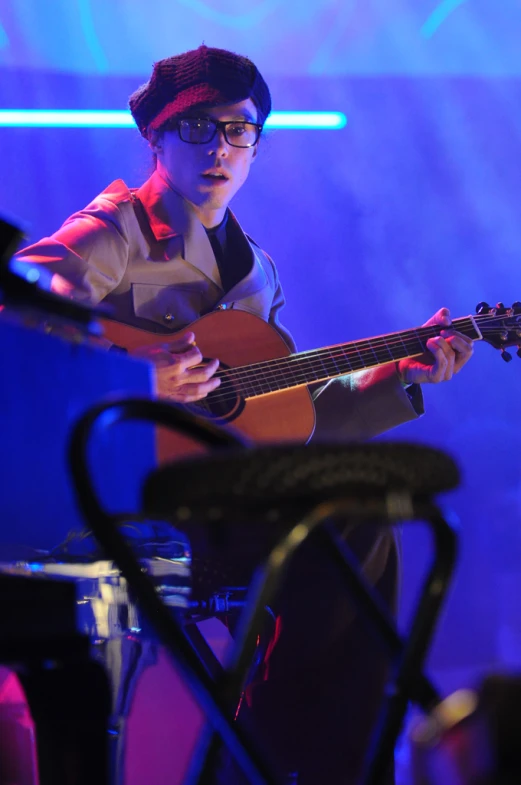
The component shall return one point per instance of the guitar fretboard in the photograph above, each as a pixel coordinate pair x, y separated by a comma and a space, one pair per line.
320, 365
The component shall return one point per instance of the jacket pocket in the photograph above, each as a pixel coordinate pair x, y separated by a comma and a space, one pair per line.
170, 306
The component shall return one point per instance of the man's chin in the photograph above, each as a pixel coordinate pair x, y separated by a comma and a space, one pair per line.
212, 201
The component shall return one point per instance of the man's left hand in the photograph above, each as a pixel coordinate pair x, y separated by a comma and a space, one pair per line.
446, 355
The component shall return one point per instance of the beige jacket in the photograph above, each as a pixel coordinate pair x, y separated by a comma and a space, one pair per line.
146, 253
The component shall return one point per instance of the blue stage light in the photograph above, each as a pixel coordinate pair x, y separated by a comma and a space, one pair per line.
70, 118
331, 120
443, 10
64, 118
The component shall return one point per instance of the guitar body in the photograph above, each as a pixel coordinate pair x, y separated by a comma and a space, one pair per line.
236, 338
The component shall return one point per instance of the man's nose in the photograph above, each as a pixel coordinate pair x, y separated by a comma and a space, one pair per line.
219, 146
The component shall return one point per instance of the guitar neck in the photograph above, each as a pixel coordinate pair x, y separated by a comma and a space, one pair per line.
321, 365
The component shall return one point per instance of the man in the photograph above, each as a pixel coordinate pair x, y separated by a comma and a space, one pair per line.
172, 250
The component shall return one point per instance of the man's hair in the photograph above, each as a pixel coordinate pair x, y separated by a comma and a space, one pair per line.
202, 76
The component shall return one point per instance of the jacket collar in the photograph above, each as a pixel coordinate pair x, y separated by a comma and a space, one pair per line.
256, 279
170, 215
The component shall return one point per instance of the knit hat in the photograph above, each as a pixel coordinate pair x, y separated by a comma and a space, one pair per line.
202, 76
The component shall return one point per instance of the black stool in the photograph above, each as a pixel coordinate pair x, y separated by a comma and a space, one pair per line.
287, 492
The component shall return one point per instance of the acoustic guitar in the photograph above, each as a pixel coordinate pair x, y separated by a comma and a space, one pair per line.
264, 387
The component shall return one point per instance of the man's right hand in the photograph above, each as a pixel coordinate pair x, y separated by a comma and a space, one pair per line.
180, 374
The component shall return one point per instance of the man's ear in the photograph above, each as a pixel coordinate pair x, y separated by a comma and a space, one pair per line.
155, 139
255, 151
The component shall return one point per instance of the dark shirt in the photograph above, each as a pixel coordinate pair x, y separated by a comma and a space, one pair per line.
233, 265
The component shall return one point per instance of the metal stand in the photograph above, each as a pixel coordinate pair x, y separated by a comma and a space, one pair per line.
291, 517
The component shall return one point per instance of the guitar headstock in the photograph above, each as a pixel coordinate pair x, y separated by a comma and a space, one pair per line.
500, 326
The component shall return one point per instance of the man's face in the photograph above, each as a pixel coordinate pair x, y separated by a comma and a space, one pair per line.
208, 174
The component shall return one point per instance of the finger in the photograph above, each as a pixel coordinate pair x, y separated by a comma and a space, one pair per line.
171, 352
157, 355
201, 373
441, 317
188, 337
180, 343
450, 356
441, 369
188, 359
189, 393
456, 334
463, 348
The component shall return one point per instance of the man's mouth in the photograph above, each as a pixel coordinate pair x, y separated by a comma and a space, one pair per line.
215, 175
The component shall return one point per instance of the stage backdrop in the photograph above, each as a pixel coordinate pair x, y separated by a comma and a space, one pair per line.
411, 206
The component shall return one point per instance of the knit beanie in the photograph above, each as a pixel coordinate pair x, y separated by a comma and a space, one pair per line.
202, 76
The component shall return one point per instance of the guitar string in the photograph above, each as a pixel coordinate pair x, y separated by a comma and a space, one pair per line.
365, 344
361, 351
249, 387
354, 348
358, 350
276, 370
275, 378
340, 350
258, 387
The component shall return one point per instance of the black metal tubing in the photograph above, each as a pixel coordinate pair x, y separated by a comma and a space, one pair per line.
410, 683
268, 579
409, 652
218, 711
205, 758
417, 643
375, 610
263, 588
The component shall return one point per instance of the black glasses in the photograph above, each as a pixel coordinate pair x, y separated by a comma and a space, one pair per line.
198, 130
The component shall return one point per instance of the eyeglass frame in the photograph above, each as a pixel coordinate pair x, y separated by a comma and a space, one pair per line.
220, 125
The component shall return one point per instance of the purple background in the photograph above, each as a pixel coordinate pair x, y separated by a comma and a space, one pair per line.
413, 205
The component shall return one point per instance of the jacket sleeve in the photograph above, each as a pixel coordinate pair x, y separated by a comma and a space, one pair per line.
364, 405
90, 251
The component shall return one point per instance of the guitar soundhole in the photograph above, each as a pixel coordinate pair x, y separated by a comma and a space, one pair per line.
223, 405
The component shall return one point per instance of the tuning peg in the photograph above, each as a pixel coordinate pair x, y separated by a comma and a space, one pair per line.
500, 309
506, 355
482, 308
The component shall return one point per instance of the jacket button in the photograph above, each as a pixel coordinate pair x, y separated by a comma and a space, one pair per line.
168, 317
